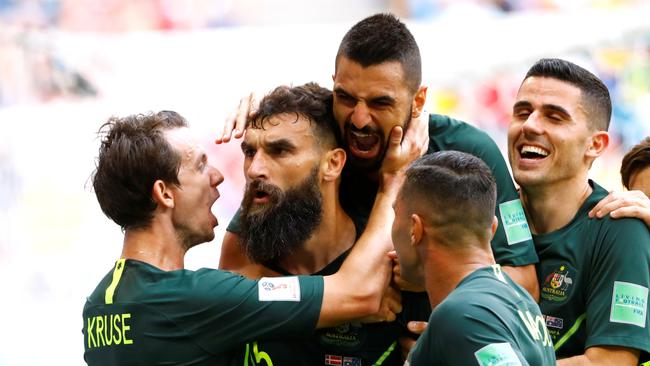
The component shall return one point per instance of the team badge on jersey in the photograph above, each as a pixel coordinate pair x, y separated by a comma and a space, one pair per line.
557, 284
347, 335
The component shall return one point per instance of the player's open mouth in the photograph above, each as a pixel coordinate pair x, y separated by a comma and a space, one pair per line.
364, 145
533, 152
260, 196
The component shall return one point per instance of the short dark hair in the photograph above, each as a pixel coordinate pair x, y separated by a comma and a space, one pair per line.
134, 153
455, 192
595, 95
638, 158
310, 101
383, 38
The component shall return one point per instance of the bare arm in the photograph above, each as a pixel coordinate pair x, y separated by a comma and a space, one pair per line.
357, 288
526, 277
603, 355
624, 204
234, 259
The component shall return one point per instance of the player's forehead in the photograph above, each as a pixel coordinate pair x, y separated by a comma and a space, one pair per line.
286, 126
544, 91
385, 79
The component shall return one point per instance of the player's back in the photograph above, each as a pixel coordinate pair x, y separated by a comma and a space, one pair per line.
487, 318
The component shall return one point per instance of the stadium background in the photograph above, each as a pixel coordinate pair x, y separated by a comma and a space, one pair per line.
67, 65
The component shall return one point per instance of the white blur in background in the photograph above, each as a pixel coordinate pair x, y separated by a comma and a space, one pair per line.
67, 65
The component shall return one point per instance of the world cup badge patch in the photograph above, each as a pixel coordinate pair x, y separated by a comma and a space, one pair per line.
557, 284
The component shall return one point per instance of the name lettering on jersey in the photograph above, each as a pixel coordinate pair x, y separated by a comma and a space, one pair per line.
557, 284
279, 289
108, 330
629, 304
536, 327
500, 354
514, 222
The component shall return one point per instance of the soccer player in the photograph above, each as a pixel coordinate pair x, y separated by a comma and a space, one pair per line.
377, 86
154, 180
444, 220
293, 224
594, 273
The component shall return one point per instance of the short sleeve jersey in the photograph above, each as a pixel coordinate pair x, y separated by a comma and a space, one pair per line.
594, 276
487, 320
353, 343
141, 315
512, 243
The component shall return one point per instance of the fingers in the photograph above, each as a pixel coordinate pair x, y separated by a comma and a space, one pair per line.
417, 327
617, 200
395, 138
642, 213
418, 133
235, 124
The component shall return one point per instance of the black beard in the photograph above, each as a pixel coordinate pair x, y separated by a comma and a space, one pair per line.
285, 224
374, 166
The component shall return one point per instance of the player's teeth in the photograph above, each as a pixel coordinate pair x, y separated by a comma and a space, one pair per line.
534, 149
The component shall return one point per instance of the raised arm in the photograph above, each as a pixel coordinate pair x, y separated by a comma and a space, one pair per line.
357, 288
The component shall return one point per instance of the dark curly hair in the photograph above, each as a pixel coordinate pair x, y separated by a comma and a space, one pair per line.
310, 101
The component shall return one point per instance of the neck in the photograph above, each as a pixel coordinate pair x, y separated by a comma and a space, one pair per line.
335, 234
444, 268
551, 207
157, 245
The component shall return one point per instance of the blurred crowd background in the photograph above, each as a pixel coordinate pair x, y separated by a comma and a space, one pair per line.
67, 65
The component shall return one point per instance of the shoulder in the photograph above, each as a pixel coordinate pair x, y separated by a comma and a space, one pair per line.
471, 307
456, 133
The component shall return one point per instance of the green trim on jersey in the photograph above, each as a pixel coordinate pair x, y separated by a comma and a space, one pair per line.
594, 275
199, 317
486, 308
570, 332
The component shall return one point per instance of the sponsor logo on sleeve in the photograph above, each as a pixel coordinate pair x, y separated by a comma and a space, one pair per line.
557, 284
629, 304
500, 354
279, 289
514, 222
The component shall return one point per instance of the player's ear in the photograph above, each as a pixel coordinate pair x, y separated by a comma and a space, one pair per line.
332, 164
495, 225
597, 144
417, 229
418, 102
162, 194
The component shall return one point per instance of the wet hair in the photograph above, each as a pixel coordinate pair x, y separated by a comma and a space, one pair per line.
309, 101
454, 192
133, 154
595, 95
383, 38
637, 159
